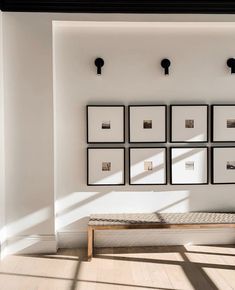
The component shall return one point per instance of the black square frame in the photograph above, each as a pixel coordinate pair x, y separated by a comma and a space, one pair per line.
189, 105
129, 164
124, 166
188, 147
148, 142
212, 122
87, 124
212, 165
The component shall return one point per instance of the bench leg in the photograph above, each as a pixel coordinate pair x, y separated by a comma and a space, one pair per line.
90, 243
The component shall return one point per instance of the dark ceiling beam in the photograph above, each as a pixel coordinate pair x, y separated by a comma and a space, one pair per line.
120, 6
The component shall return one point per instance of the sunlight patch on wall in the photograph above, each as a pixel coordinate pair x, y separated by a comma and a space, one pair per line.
118, 202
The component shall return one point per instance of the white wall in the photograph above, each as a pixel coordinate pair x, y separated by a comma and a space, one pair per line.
28, 128
132, 75
28, 83
2, 180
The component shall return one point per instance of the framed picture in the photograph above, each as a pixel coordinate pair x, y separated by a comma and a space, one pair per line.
189, 123
223, 123
105, 124
223, 165
105, 166
147, 166
147, 124
189, 165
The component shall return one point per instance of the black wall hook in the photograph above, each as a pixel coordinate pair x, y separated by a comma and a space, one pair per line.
165, 63
231, 64
99, 62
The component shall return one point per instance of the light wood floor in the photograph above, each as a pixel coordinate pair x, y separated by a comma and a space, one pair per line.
164, 268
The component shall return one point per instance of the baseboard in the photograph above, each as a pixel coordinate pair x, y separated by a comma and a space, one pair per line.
2, 243
129, 238
35, 244
2, 250
42, 244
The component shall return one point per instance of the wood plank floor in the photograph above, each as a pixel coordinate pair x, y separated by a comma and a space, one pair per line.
163, 268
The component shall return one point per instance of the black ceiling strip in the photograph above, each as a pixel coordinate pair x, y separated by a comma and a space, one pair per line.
120, 6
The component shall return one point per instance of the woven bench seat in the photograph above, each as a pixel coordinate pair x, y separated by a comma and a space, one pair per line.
156, 221
165, 218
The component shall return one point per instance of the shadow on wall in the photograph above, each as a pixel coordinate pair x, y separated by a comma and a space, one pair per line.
78, 214
73, 210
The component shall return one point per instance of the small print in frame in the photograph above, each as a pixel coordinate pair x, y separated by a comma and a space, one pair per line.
223, 126
189, 124
230, 165
189, 165
147, 124
148, 165
106, 166
223, 165
106, 125
231, 123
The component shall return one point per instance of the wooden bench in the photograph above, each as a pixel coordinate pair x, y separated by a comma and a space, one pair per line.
193, 220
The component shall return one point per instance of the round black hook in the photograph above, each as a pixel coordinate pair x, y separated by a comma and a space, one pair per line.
99, 62
165, 63
231, 64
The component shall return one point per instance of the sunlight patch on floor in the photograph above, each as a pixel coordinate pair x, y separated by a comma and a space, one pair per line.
211, 249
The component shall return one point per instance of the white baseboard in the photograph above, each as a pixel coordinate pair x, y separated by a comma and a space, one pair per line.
36, 244
2, 250
129, 238
2, 243
42, 244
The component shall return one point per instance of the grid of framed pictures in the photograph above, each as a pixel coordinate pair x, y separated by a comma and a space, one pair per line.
223, 131
148, 124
